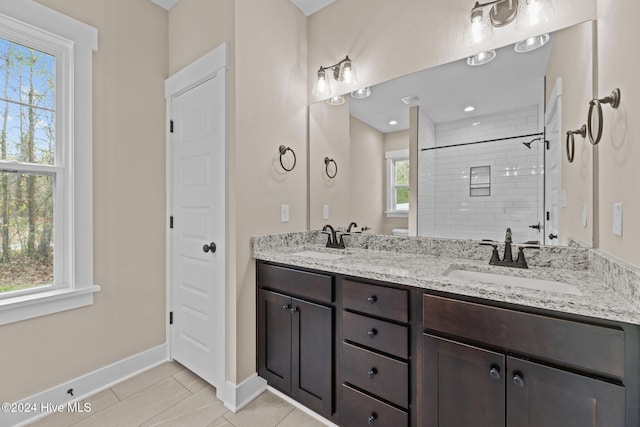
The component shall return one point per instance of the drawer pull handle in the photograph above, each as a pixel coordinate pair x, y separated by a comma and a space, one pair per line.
286, 307
372, 418
372, 372
372, 333
372, 299
518, 379
494, 372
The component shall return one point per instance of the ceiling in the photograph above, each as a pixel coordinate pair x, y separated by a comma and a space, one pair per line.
308, 7
512, 80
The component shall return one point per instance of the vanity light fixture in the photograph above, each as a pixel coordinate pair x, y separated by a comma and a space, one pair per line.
532, 43
481, 58
361, 93
498, 13
344, 74
469, 108
336, 100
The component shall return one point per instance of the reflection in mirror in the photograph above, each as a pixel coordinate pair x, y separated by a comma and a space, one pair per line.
501, 164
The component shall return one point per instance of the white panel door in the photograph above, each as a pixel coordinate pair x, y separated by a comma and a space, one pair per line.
553, 166
198, 235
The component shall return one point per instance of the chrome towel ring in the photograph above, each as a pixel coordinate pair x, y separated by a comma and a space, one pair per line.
283, 150
571, 144
327, 162
614, 100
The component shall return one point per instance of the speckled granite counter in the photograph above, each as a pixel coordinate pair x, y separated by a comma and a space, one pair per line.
425, 263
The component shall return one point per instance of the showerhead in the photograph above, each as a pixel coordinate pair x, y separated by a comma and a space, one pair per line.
527, 144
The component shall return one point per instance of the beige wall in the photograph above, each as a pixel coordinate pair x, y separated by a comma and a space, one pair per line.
329, 137
267, 108
619, 150
367, 185
128, 315
571, 46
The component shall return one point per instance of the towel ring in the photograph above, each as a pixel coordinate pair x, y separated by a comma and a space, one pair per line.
571, 151
328, 161
614, 100
282, 149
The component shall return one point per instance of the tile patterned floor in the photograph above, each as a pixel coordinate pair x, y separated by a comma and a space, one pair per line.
171, 395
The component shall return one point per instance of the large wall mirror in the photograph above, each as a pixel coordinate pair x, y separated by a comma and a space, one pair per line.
487, 142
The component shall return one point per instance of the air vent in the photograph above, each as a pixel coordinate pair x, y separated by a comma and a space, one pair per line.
411, 99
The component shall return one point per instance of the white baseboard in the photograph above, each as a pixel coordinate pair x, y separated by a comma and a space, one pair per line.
300, 406
85, 386
236, 397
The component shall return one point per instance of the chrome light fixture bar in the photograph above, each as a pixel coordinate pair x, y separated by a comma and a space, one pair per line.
343, 73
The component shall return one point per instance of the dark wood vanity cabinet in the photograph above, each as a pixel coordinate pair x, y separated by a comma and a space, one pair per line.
485, 366
296, 335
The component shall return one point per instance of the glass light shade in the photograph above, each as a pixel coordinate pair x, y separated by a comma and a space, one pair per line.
347, 77
336, 100
532, 43
361, 93
322, 85
481, 58
533, 13
480, 29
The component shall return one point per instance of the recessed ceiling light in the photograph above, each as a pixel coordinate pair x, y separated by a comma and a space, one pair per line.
410, 99
481, 58
475, 123
393, 122
469, 108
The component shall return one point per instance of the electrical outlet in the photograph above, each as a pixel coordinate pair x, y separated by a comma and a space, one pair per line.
325, 211
584, 215
284, 213
617, 219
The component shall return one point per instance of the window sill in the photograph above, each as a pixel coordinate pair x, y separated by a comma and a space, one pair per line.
43, 303
397, 214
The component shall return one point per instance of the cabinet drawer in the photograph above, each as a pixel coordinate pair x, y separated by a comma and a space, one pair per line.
380, 301
318, 287
375, 373
375, 333
360, 410
595, 348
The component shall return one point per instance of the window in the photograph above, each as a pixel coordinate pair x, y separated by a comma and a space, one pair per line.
45, 162
397, 183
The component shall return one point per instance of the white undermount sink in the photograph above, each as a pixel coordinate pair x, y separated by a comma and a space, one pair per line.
324, 256
520, 282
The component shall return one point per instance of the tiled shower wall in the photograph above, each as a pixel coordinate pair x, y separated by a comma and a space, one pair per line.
446, 208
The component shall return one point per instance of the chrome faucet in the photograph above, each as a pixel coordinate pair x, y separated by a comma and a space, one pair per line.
332, 238
507, 259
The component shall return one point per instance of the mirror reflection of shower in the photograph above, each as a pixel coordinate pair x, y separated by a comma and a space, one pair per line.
528, 143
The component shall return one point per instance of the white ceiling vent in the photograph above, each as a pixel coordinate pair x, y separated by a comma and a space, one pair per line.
410, 99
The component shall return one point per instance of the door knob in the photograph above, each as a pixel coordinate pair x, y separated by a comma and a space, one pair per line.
210, 247
494, 372
553, 236
518, 379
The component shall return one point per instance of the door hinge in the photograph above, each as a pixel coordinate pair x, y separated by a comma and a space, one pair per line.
171, 222
171, 317
171, 126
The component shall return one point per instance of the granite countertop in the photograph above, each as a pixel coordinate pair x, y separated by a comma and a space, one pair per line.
430, 272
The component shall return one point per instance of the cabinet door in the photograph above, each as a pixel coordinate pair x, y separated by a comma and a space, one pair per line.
312, 355
541, 396
274, 339
464, 386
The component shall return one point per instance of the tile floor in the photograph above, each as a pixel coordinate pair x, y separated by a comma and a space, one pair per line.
171, 395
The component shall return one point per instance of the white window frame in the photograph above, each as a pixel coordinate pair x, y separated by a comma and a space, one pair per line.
72, 42
391, 158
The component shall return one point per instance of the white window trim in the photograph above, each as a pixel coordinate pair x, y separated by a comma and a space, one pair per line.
390, 157
29, 17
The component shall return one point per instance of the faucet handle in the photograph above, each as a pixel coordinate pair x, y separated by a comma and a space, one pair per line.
521, 261
495, 256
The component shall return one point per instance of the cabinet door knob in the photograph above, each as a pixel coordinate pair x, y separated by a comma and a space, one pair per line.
372, 299
286, 307
518, 379
372, 333
372, 418
372, 372
294, 309
494, 372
